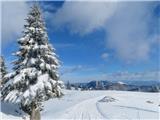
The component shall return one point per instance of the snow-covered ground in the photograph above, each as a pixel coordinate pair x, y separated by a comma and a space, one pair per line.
98, 105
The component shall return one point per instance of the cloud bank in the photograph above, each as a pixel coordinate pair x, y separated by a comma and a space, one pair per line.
149, 75
117, 76
129, 32
127, 25
83, 17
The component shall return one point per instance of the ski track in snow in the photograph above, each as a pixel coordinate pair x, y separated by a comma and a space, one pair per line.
86, 109
100, 111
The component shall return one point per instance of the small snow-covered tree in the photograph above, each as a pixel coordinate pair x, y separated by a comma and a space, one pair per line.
35, 76
3, 70
68, 86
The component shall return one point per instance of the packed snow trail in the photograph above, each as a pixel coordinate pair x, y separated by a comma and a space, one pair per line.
86, 109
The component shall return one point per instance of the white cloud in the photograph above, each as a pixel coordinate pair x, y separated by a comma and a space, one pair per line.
105, 56
128, 31
127, 25
83, 17
70, 69
13, 15
74, 69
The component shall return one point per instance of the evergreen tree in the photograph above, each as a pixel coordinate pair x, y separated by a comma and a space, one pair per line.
68, 86
3, 70
35, 76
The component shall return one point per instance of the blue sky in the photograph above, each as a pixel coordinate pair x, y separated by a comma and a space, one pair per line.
94, 40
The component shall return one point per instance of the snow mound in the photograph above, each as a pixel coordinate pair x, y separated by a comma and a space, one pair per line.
107, 99
122, 83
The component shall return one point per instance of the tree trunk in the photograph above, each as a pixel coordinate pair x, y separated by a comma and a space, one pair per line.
35, 113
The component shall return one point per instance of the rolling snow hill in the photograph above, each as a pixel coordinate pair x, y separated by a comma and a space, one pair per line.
94, 105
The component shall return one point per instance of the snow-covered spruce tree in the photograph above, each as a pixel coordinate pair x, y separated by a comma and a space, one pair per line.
35, 76
68, 86
3, 70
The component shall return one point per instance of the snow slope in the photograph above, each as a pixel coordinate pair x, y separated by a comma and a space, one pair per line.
101, 105
95, 105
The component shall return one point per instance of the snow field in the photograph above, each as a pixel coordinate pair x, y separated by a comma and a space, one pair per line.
94, 105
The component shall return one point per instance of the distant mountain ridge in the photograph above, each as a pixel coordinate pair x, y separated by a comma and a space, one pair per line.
145, 86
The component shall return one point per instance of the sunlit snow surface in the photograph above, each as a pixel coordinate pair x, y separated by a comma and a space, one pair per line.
90, 105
